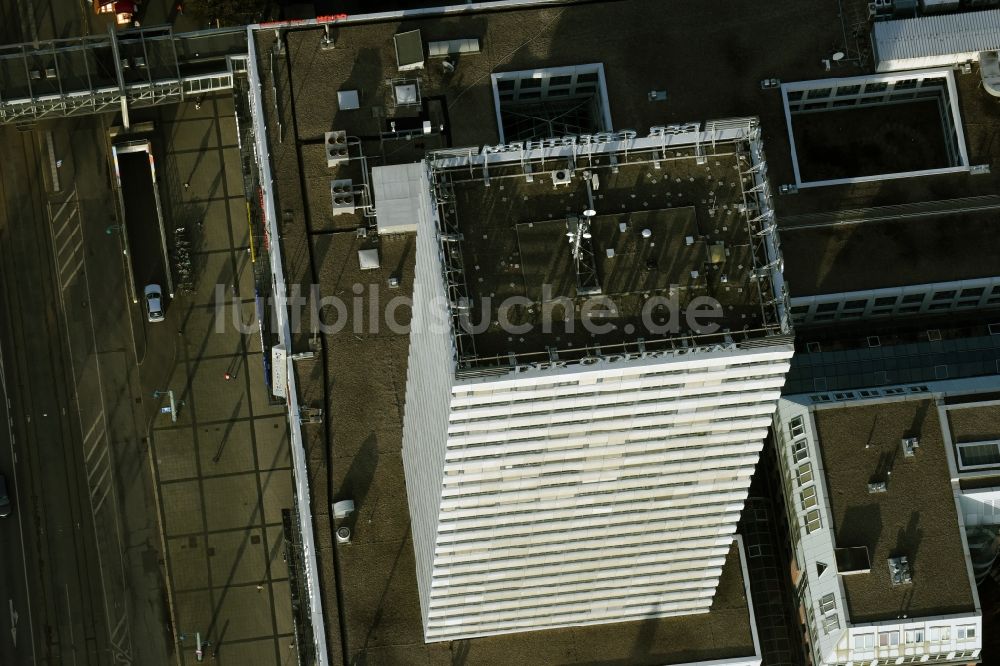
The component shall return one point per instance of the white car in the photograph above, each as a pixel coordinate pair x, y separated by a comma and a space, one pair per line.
154, 302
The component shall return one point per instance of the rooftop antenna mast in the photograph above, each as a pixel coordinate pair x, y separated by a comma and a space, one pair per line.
578, 233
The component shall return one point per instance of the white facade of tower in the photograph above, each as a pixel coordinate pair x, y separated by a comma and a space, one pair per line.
574, 493
594, 493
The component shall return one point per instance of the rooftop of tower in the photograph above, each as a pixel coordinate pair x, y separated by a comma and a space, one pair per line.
667, 227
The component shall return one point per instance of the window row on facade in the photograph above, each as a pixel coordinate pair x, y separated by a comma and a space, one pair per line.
942, 297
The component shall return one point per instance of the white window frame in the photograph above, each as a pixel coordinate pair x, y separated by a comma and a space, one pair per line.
867, 642
804, 473
808, 497
891, 639
800, 446
967, 632
812, 521
831, 622
913, 637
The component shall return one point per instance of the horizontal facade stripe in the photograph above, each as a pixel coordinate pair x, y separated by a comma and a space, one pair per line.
667, 434
663, 518
592, 525
609, 467
666, 497
720, 392
683, 591
649, 367
561, 536
761, 402
534, 451
719, 379
620, 563
620, 503
633, 480
625, 534
578, 609
450, 632
559, 492
664, 437
697, 596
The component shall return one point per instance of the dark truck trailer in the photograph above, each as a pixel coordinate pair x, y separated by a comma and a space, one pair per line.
143, 233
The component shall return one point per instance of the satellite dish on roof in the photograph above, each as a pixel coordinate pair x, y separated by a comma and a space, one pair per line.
838, 56
590, 212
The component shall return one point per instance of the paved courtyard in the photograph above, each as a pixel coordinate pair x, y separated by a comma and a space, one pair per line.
222, 471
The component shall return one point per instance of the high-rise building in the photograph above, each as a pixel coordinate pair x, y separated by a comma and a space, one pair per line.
600, 338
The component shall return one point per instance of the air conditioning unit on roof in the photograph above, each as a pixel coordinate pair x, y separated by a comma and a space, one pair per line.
336, 147
561, 177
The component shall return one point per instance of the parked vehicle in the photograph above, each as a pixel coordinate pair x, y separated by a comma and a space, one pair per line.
154, 302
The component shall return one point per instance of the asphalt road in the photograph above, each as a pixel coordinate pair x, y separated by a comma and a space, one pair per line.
53, 491
17, 646
81, 560
71, 334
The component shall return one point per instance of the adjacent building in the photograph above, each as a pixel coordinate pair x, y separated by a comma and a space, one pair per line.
942, 262
891, 502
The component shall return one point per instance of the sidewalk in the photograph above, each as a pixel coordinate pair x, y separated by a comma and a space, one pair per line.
222, 471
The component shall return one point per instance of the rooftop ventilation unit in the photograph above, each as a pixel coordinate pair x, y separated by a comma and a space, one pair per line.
344, 535
899, 570
877, 487
852, 560
343, 509
310, 415
348, 100
342, 195
336, 147
406, 93
368, 259
717, 253
409, 50
910, 446
561, 177
445, 48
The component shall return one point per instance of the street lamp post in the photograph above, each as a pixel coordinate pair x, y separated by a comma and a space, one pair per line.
199, 645
172, 409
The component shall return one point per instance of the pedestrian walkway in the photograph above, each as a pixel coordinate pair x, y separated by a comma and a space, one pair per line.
222, 471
